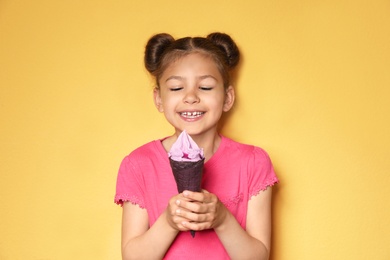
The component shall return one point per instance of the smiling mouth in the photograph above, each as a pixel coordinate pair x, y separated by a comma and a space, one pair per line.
191, 115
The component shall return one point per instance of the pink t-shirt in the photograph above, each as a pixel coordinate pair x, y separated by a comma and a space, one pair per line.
234, 173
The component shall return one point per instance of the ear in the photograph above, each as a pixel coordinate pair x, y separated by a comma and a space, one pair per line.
229, 99
157, 100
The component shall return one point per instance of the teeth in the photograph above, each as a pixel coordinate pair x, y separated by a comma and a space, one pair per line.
191, 114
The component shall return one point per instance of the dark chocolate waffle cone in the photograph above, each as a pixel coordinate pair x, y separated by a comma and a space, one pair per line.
188, 175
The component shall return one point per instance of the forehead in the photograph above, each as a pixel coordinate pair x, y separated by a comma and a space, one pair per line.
192, 64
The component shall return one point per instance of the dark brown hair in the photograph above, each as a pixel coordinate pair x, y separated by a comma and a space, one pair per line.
162, 49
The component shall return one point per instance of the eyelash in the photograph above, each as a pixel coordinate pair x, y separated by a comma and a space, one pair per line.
205, 88
175, 89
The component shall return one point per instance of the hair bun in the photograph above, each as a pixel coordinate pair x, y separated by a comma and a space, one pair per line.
226, 44
154, 49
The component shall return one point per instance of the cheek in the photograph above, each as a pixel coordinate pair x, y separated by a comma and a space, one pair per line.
169, 102
217, 101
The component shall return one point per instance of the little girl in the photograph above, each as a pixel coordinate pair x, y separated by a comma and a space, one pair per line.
232, 214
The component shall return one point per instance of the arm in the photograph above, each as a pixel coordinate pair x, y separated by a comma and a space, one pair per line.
252, 243
138, 240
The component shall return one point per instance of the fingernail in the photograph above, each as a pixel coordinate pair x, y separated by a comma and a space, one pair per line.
178, 202
186, 193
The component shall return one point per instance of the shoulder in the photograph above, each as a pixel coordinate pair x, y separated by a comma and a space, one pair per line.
154, 146
144, 159
256, 164
245, 150
152, 150
250, 157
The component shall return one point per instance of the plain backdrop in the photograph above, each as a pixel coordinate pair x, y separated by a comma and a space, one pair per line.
313, 90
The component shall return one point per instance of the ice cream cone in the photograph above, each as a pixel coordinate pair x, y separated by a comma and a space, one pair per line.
187, 161
188, 175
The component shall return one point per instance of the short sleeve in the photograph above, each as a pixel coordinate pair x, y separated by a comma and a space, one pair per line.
129, 184
261, 172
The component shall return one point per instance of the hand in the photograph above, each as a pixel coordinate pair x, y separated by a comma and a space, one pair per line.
199, 211
174, 219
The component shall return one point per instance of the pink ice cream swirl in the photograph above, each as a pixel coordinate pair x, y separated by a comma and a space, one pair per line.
185, 149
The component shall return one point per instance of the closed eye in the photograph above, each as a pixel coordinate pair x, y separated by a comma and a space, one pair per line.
176, 89
205, 88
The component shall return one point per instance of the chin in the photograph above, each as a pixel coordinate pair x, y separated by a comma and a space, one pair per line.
197, 132
188, 130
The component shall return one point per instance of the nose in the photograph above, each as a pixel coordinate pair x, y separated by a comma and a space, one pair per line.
191, 97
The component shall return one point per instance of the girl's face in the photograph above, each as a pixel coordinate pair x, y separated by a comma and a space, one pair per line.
192, 96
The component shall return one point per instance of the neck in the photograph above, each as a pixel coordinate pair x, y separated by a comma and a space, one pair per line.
209, 143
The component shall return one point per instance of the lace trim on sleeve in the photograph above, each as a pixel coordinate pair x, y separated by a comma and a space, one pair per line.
263, 186
230, 202
119, 199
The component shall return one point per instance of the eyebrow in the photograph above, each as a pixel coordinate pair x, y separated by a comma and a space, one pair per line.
200, 77
174, 77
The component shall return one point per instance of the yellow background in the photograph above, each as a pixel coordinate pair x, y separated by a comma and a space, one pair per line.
313, 90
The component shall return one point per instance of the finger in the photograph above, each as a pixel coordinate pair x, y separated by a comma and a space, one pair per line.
193, 206
194, 196
196, 226
176, 222
204, 197
194, 217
